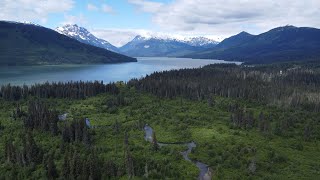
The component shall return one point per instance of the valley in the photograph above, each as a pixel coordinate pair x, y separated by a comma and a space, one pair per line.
159, 89
240, 131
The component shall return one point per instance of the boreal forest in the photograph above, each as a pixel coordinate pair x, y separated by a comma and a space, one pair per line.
220, 121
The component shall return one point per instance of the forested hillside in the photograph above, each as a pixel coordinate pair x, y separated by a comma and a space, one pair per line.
288, 85
281, 44
245, 122
27, 44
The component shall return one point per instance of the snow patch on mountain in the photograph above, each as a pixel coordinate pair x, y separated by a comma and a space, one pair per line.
200, 41
23, 22
192, 41
83, 35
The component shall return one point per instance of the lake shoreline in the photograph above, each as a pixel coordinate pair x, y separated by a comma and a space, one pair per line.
29, 75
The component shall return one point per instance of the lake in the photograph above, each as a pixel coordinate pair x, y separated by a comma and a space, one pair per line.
19, 75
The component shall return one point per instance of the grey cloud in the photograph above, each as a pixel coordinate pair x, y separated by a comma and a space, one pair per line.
79, 19
227, 17
117, 37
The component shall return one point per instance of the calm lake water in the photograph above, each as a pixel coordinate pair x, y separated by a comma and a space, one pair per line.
105, 72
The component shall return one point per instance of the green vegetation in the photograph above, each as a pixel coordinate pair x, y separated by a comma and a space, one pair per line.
238, 138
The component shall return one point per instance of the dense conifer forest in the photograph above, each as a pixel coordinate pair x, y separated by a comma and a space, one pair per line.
248, 122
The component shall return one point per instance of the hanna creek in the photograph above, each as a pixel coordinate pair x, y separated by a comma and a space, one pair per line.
205, 172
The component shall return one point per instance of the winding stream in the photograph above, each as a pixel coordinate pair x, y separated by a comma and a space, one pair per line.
205, 173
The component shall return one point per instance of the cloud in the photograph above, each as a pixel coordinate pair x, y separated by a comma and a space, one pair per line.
92, 7
147, 6
117, 37
71, 19
107, 9
32, 10
227, 17
104, 8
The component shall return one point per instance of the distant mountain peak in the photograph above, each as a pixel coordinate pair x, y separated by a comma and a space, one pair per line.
153, 37
286, 43
83, 35
139, 38
165, 45
290, 26
73, 30
200, 41
286, 27
244, 33
75, 25
192, 41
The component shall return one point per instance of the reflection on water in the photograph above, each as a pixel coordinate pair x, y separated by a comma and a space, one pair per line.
102, 72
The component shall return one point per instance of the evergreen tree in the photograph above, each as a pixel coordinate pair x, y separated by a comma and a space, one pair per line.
307, 132
128, 157
66, 170
261, 121
51, 168
155, 144
76, 166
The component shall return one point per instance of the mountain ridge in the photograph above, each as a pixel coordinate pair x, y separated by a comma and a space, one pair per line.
83, 35
286, 43
28, 44
165, 46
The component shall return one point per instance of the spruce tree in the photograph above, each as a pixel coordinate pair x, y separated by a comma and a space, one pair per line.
155, 144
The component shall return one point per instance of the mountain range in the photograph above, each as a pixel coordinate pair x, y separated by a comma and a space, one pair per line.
140, 45
29, 44
154, 46
288, 43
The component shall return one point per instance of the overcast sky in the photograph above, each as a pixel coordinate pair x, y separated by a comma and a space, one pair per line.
118, 21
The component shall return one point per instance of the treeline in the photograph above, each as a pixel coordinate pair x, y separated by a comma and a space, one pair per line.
30, 153
268, 123
71, 90
78, 162
40, 117
75, 165
288, 86
76, 131
24, 152
78, 166
76, 151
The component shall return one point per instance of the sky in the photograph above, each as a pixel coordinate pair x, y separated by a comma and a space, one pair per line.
119, 21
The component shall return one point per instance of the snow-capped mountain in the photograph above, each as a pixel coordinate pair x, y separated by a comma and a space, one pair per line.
201, 42
192, 41
165, 46
83, 35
